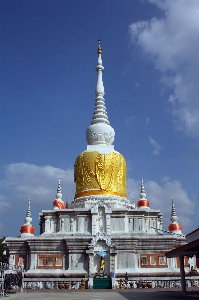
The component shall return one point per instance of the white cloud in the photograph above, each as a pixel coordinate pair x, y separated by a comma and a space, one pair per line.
147, 120
165, 179
39, 183
172, 44
5, 206
160, 197
23, 181
155, 145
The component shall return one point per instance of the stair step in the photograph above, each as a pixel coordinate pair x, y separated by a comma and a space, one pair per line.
102, 283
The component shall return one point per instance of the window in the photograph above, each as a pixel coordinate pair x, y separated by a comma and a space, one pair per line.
20, 262
40, 261
152, 260
162, 260
144, 261
49, 261
58, 261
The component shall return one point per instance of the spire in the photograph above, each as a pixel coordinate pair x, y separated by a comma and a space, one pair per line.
100, 114
27, 229
100, 131
143, 202
174, 227
28, 214
133, 202
58, 202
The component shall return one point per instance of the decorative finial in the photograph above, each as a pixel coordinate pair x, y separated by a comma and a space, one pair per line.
28, 214
27, 229
174, 227
59, 194
99, 50
143, 202
173, 212
133, 203
58, 202
142, 191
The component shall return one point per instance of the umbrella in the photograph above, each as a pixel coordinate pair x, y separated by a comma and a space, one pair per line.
101, 253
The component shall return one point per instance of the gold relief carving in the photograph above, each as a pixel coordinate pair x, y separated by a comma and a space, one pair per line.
106, 172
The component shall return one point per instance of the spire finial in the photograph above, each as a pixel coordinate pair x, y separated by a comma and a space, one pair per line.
28, 214
174, 218
59, 194
173, 212
99, 50
100, 131
142, 191
27, 229
175, 226
143, 202
58, 202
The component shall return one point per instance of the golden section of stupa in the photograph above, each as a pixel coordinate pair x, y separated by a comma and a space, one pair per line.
100, 174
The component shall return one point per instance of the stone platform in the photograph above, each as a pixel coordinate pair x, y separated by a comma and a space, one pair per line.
152, 294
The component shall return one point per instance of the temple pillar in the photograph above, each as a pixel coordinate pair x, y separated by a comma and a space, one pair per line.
108, 224
11, 260
182, 274
113, 253
33, 261
61, 226
55, 225
47, 224
70, 260
94, 223
90, 253
126, 224
71, 224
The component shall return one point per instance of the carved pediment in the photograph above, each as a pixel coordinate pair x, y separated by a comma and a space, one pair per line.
101, 235
107, 207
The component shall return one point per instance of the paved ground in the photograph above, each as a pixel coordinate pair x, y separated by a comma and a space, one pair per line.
129, 294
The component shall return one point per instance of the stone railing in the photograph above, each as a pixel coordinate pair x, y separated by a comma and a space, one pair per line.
76, 283
192, 281
54, 283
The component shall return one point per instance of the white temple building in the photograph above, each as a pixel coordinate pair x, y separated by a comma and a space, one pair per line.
100, 234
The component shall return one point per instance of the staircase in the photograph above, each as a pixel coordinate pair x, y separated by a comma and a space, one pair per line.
102, 283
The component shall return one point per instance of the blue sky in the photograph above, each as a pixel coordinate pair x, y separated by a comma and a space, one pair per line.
47, 90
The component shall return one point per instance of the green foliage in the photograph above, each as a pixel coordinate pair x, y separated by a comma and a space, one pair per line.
3, 258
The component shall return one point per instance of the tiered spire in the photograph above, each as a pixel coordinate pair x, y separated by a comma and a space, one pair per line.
100, 114
143, 202
58, 202
174, 227
27, 229
100, 131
